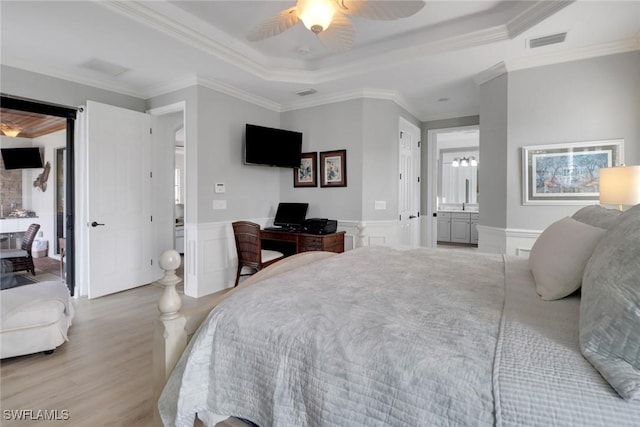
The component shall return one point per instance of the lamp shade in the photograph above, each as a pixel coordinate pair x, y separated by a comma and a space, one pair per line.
620, 185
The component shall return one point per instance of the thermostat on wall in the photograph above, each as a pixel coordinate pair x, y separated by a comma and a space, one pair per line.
220, 187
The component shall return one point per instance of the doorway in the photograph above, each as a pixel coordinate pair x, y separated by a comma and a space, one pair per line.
68, 114
172, 177
462, 140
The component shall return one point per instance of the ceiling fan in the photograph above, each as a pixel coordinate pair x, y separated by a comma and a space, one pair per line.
329, 19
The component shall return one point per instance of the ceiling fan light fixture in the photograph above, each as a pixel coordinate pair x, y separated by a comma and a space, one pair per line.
11, 131
316, 15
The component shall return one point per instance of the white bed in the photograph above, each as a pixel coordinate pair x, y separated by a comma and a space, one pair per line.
34, 318
377, 336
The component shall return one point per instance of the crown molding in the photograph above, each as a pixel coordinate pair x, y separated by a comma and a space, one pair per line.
604, 49
239, 94
490, 73
72, 77
171, 86
155, 15
533, 15
349, 95
450, 115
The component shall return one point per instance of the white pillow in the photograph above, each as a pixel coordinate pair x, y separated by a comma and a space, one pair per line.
559, 256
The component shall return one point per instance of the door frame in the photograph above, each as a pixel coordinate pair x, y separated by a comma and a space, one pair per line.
49, 109
433, 174
176, 107
415, 237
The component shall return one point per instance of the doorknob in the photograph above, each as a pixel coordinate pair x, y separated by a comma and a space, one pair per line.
95, 224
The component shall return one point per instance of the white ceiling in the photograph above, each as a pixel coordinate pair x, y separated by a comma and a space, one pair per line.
429, 63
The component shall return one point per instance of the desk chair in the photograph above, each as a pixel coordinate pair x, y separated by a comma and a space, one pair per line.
249, 248
21, 259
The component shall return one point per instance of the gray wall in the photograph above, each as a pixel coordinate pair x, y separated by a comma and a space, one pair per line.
214, 130
325, 128
492, 172
588, 100
26, 84
369, 130
251, 191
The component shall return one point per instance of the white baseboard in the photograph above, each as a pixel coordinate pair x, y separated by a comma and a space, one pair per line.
510, 241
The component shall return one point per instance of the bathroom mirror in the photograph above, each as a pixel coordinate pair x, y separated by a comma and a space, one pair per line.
458, 180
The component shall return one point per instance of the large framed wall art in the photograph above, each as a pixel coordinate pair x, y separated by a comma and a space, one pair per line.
567, 173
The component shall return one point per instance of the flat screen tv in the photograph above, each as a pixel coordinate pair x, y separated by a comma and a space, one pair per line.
290, 215
21, 158
272, 147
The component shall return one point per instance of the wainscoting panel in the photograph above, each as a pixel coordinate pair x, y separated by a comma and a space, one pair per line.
508, 241
210, 252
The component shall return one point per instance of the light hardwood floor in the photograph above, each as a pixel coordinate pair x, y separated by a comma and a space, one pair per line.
102, 376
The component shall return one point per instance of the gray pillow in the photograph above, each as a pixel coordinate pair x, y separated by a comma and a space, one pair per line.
610, 306
559, 256
598, 216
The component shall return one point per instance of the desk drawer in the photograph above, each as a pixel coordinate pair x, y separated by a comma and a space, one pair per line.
311, 244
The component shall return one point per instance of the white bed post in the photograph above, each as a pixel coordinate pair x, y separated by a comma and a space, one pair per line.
170, 336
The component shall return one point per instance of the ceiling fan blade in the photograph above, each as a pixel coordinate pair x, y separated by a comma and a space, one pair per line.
275, 25
340, 34
381, 10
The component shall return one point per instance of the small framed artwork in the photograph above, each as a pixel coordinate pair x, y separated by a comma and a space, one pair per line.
567, 174
333, 168
306, 175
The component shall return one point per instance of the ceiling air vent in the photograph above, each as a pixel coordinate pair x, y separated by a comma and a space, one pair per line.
104, 67
547, 40
306, 92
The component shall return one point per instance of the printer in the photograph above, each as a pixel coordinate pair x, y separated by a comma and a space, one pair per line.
319, 226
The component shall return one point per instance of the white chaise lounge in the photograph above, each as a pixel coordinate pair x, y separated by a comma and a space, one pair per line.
34, 318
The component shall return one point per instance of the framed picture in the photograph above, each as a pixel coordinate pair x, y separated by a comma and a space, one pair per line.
306, 175
567, 174
333, 168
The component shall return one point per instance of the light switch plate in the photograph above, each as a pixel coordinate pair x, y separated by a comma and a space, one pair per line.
220, 188
380, 205
219, 205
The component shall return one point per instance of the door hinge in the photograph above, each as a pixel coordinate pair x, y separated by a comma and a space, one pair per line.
150, 131
150, 174
151, 218
401, 134
419, 142
400, 176
151, 261
418, 179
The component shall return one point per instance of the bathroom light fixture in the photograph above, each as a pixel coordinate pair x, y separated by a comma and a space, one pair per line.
620, 186
464, 161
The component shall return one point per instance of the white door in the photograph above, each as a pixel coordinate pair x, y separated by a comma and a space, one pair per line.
409, 191
119, 213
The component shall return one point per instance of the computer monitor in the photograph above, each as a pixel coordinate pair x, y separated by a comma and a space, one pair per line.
291, 215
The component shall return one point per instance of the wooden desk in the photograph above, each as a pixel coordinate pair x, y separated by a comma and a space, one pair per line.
291, 243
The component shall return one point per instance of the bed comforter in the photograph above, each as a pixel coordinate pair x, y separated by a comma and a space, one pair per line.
376, 337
